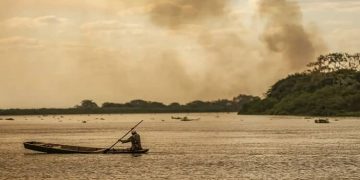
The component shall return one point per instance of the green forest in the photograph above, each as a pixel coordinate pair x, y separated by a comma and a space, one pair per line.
330, 87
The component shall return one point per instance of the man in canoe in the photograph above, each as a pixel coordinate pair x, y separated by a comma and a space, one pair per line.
135, 141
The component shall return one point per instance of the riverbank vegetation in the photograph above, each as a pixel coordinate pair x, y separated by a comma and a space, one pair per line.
140, 106
330, 87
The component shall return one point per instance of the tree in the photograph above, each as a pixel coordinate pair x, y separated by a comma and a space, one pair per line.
243, 99
174, 105
331, 87
335, 62
112, 105
87, 104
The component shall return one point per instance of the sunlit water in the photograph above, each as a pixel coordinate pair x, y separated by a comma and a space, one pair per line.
218, 146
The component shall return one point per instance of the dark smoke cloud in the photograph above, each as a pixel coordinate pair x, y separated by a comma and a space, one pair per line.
229, 57
176, 13
285, 33
231, 62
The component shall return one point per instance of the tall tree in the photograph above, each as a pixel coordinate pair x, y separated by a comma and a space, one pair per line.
87, 104
335, 62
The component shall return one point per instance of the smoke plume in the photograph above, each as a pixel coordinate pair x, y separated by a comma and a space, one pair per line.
229, 55
285, 33
176, 13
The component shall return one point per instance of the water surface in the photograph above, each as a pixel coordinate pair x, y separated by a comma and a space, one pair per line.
218, 146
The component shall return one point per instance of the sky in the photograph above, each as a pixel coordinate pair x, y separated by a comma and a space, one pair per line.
57, 53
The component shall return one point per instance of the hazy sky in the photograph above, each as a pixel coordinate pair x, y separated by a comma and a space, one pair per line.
57, 53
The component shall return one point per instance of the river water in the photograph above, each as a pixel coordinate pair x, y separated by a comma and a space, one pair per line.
218, 146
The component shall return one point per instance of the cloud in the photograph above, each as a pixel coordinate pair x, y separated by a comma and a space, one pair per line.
37, 22
19, 42
50, 20
108, 25
349, 6
347, 39
140, 10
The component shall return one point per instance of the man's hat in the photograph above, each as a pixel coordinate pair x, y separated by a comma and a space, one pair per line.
133, 131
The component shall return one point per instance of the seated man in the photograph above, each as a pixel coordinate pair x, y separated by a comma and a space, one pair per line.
135, 141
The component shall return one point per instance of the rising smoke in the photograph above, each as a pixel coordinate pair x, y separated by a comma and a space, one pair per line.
195, 49
233, 61
177, 13
285, 33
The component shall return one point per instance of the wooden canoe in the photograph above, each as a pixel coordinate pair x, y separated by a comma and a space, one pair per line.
67, 149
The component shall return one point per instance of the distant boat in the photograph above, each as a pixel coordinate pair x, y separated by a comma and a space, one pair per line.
322, 121
188, 119
176, 117
67, 149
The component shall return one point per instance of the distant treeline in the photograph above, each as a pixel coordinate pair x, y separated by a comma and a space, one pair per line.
140, 106
330, 87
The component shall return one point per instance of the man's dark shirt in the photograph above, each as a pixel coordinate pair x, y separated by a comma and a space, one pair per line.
135, 142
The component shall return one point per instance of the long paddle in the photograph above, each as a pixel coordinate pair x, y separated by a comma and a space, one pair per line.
123, 137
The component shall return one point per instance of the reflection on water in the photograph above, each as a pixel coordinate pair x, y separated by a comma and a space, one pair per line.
218, 146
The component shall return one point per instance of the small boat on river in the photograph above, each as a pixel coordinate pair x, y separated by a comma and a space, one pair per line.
322, 121
189, 119
176, 117
67, 149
